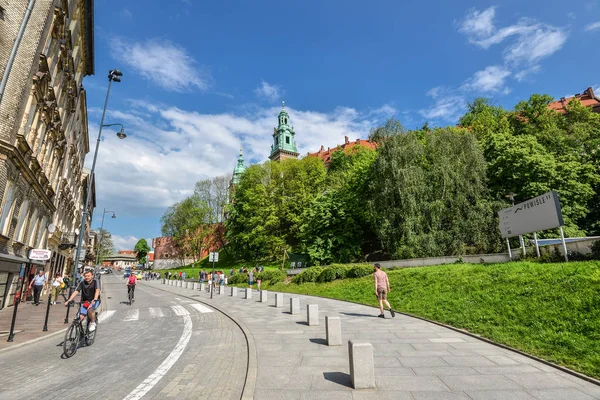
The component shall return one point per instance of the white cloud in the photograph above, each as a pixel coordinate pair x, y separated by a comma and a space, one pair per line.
164, 63
490, 80
168, 149
531, 42
126, 13
268, 91
448, 105
524, 73
592, 27
478, 23
124, 242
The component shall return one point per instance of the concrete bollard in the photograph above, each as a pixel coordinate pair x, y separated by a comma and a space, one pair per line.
222, 290
163, 281
278, 300
180, 283
312, 314
234, 291
362, 367
263, 296
248, 294
195, 286
295, 305
333, 331
202, 287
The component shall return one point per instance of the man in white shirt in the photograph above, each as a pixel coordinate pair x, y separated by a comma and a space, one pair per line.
39, 283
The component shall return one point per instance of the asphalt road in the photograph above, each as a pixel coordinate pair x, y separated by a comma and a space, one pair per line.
162, 346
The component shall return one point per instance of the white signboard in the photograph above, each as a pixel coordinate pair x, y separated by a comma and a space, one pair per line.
40, 254
213, 257
537, 214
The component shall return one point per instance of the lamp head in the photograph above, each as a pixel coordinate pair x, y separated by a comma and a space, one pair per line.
121, 134
114, 216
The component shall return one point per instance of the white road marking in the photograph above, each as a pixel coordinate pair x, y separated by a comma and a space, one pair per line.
180, 310
166, 365
201, 308
156, 312
132, 315
106, 315
177, 298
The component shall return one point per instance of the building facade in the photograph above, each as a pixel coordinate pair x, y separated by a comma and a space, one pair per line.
43, 134
284, 138
588, 99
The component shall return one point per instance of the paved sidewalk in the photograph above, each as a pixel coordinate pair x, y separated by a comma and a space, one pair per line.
414, 359
30, 321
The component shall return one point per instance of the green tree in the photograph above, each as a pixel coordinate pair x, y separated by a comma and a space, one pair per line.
337, 226
105, 246
430, 197
269, 201
141, 248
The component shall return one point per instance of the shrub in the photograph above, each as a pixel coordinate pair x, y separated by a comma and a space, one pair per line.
272, 276
237, 279
310, 275
360, 270
333, 272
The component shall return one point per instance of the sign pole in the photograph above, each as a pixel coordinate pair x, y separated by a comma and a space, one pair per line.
17, 300
522, 245
508, 245
564, 242
537, 246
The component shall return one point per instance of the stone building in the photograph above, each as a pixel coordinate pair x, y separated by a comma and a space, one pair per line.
284, 138
43, 132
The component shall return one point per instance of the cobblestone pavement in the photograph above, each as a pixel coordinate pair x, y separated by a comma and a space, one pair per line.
414, 359
132, 342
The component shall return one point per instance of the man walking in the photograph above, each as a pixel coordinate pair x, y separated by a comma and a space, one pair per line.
38, 283
382, 288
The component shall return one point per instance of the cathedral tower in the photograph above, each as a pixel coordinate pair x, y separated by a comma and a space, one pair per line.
284, 140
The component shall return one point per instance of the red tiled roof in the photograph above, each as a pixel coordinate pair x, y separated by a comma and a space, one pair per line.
325, 155
126, 252
587, 98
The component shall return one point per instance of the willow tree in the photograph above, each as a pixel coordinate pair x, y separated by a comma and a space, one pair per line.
429, 195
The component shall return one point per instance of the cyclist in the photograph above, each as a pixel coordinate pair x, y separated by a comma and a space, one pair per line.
131, 285
90, 297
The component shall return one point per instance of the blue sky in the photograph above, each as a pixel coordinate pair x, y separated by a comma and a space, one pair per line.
202, 78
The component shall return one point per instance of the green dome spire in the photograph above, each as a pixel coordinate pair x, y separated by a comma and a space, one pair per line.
239, 168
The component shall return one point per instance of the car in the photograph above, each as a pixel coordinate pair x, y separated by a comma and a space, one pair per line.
138, 274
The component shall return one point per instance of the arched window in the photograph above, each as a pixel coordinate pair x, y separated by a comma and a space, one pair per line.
23, 212
33, 221
287, 140
7, 208
41, 233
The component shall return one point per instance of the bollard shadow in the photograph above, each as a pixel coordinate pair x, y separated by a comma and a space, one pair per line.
358, 315
319, 341
302, 323
340, 378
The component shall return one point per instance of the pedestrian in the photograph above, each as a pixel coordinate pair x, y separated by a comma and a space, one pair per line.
221, 278
64, 286
251, 278
215, 279
38, 283
225, 280
202, 276
180, 275
56, 287
382, 288
258, 281
183, 276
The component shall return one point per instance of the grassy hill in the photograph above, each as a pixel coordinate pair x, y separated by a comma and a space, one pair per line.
548, 310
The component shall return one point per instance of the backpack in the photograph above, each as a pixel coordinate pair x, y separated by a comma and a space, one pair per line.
132, 280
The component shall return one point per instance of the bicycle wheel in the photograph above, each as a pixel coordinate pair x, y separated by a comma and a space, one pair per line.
130, 296
71, 342
91, 336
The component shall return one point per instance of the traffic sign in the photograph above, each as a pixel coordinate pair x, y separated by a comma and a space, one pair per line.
213, 256
40, 254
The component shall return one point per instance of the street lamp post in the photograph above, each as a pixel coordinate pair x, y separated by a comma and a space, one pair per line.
102, 232
113, 76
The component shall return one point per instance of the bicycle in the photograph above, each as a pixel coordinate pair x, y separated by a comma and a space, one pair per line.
76, 333
130, 290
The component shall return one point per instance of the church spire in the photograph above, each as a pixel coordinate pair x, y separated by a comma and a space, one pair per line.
284, 138
239, 168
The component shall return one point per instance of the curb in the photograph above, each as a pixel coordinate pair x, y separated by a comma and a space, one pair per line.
252, 365
473, 335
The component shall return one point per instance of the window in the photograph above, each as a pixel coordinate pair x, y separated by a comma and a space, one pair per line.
2, 13
7, 208
287, 140
32, 227
276, 141
41, 233
20, 231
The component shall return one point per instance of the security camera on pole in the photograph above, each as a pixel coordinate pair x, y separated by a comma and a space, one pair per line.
113, 76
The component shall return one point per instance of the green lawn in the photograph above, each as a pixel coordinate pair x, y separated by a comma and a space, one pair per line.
548, 310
